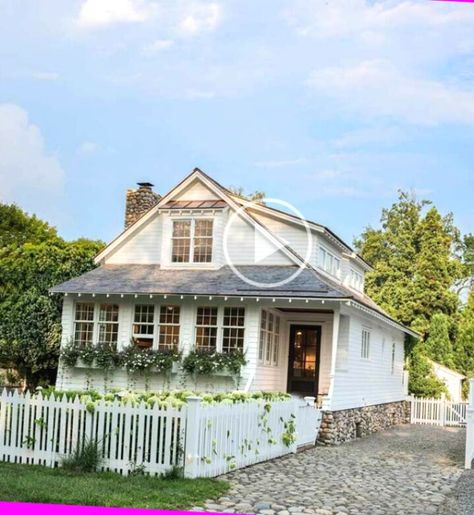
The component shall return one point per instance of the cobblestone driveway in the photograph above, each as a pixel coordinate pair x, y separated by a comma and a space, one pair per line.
404, 470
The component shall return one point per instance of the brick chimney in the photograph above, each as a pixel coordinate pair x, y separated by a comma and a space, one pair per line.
139, 201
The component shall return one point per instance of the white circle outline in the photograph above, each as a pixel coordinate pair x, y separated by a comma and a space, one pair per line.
302, 265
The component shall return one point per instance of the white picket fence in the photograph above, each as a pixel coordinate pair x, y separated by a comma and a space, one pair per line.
208, 440
39, 430
470, 427
438, 412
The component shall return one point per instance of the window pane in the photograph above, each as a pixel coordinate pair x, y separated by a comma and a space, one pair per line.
84, 324
83, 333
207, 316
181, 250
203, 228
206, 338
143, 328
233, 333
85, 311
108, 313
108, 324
181, 228
169, 328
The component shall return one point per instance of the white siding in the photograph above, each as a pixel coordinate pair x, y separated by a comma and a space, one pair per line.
143, 247
241, 246
451, 379
196, 191
81, 378
364, 382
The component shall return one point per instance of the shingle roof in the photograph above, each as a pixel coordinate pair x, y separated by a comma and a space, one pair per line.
115, 279
152, 279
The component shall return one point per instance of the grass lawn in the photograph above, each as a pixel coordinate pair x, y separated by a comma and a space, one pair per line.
28, 483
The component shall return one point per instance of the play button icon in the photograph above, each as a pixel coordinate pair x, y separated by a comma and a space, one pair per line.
248, 241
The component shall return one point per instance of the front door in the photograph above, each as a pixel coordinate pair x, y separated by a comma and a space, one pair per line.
303, 366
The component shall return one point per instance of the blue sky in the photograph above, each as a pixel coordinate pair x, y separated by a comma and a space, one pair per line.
330, 105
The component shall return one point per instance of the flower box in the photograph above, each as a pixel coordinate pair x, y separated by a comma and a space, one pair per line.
81, 364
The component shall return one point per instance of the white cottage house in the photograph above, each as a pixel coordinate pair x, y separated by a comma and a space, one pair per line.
200, 268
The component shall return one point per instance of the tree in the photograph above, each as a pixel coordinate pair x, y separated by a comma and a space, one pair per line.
438, 345
415, 268
464, 344
32, 259
419, 259
256, 196
422, 382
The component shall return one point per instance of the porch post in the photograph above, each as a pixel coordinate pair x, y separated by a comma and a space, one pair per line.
327, 402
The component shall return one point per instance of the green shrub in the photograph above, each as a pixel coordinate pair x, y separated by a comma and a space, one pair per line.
199, 362
87, 457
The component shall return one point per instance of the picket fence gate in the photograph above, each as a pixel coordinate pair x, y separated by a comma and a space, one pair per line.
470, 427
438, 412
207, 440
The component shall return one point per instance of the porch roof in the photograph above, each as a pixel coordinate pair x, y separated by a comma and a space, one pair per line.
152, 279
148, 279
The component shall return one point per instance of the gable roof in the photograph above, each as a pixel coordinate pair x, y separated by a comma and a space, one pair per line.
221, 192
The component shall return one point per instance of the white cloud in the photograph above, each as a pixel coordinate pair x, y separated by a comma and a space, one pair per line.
29, 175
158, 46
88, 147
101, 13
376, 88
200, 18
366, 19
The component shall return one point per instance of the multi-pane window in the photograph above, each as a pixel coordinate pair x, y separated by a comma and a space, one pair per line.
356, 280
84, 323
329, 262
192, 241
108, 324
392, 368
202, 247
144, 325
181, 241
206, 328
233, 329
169, 328
365, 344
269, 338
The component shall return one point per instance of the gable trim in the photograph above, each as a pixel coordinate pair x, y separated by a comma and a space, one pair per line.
221, 193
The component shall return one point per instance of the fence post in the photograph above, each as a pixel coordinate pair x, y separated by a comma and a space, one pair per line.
443, 410
470, 427
309, 400
191, 445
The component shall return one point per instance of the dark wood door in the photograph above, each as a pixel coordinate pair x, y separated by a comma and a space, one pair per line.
303, 366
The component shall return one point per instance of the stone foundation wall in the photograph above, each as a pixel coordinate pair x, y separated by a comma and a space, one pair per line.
345, 425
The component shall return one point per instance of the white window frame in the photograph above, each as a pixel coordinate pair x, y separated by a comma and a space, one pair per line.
156, 321
136, 335
159, 325
329, 262
365, 343
393, 357
220, 326
356, 280
96, 320
192, 237
269, 339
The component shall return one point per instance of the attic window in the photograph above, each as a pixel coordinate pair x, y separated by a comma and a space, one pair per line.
192, 241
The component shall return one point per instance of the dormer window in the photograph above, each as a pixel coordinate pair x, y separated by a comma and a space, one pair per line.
329, 262
356, 280
192, 241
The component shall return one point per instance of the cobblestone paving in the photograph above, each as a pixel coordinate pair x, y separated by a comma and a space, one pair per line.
461, 500
404, 470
